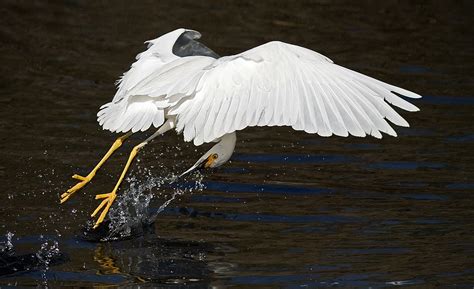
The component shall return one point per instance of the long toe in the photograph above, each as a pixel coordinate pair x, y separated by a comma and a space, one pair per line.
107, 202
78, 177
82, 182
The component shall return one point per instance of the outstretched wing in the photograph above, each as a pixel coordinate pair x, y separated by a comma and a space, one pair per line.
278, 84
140, 98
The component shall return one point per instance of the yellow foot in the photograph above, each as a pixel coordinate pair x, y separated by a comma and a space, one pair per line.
107, 201
78, 186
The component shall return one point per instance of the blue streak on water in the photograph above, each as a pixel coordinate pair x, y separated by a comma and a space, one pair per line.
414, 69
405, 282
459, 273
263, 188
461, 186
374, 251
362, 146
327, 219
76, 276
305, 229
390, 222
292, 158
251, 188
263, 280
428, 221
413, 184
267, 218
322, 268
461, 138
233, 170
213, 199
451, 100
425, 197
357, 276
405, 165
310, 281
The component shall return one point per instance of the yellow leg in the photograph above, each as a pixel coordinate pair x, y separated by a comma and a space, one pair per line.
84, 180
109, 198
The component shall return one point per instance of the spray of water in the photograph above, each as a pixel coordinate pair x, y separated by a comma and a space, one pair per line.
48, 251
131, 208
196, 186
9, 242
13, 262
131, 212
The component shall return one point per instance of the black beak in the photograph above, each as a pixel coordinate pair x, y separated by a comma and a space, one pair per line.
196, 167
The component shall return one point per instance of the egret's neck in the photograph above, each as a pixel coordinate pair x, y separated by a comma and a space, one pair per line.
228, 140
226, 146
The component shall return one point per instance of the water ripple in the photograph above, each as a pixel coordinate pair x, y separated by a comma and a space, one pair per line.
293, 158
263, 188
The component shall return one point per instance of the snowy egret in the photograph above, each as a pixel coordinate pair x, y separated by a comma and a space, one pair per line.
178, 83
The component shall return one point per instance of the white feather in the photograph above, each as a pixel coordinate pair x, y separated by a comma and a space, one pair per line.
272, 84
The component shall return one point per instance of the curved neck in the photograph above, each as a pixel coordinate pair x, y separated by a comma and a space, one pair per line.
229, 140
225, 147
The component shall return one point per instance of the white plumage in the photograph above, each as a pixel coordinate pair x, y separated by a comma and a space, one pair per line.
179, 83
275, 84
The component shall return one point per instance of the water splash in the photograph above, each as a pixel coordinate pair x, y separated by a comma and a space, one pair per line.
131, 208
7, 245
47, 253
178, 191
13, 262
130, 216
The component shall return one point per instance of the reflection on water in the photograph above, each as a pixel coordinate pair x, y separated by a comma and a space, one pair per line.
153, 259
290, 210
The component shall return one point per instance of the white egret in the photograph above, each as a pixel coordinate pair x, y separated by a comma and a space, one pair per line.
178, 83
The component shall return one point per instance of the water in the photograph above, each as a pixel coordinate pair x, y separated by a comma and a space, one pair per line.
290, 210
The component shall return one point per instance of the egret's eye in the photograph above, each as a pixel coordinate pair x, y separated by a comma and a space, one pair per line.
214, 156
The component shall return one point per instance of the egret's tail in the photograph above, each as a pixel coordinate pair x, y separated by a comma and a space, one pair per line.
124, 116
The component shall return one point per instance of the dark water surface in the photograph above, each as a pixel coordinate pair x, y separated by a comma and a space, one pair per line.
291, 210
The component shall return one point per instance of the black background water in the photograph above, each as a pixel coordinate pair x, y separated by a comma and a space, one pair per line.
291, 210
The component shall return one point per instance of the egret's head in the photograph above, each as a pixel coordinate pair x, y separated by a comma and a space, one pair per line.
218, 155
187, 45
176, 44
